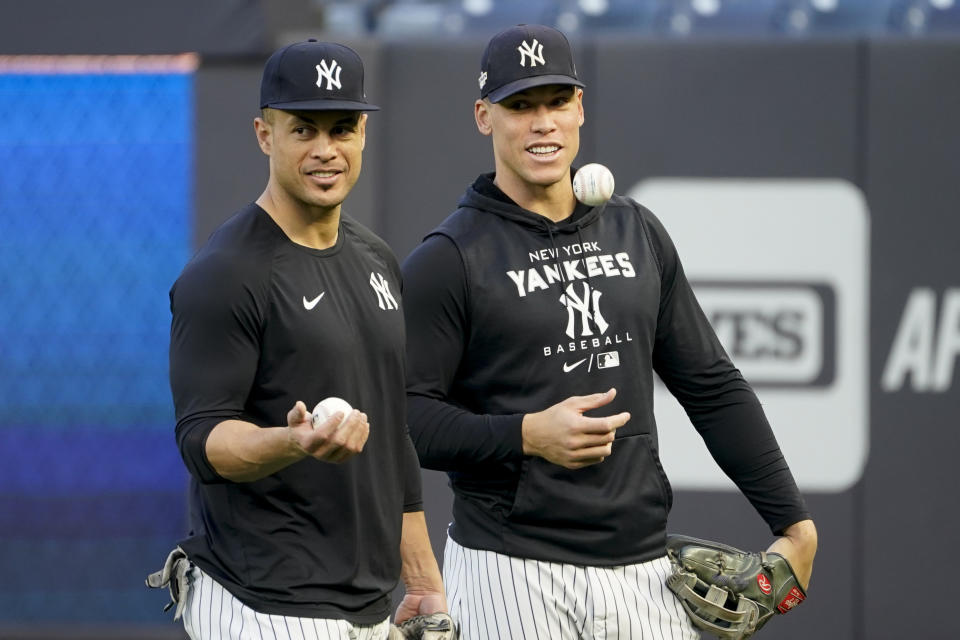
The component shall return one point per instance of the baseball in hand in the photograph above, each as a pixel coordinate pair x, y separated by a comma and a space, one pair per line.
329, 406
593, 184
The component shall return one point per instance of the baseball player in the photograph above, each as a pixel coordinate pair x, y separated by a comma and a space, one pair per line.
512, 304
299, 531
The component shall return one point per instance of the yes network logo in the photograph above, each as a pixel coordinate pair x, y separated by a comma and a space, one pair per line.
780, 267
780, 334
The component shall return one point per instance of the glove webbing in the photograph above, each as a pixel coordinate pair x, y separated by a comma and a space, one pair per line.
740, 621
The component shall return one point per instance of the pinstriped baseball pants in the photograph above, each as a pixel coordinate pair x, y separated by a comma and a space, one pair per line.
498, 597
213, 613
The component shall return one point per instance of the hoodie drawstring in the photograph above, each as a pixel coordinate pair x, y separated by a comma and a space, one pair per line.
555, 253
586, 271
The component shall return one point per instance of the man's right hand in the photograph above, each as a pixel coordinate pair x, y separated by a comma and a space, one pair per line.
330, 441
562, 435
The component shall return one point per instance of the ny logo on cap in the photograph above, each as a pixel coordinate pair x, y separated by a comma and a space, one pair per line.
323, 71
483, 78
527, 51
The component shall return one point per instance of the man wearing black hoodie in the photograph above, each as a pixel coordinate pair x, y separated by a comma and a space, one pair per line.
526, 310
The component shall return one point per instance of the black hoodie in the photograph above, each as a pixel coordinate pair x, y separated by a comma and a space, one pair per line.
509, 313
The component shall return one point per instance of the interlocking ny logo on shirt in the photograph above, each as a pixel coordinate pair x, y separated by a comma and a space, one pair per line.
310, 304
382, 288
586, 308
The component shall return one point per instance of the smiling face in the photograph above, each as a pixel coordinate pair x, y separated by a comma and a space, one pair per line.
315, 156
536, 136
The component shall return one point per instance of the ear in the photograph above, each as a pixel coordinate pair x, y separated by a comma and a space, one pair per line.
362, 128
481, 113
581, 117
263, 129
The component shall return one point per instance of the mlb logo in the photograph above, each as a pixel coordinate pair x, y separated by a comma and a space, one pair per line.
608, 360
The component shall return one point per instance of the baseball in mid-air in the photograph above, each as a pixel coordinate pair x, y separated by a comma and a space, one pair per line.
329, 406
593, 184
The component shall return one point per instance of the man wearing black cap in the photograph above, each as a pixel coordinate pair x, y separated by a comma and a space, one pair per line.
519, 304
299, 530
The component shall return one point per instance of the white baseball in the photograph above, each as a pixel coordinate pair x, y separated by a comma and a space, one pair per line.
593, 184
329, 406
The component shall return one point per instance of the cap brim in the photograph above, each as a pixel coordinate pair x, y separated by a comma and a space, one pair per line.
323, 105
516, 86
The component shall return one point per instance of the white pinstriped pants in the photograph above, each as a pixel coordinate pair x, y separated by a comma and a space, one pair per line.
498, 597
213, 613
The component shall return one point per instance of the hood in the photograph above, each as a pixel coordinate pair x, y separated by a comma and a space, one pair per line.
484, 195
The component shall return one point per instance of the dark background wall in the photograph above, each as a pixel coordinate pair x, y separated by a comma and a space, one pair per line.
912, 486
880, 113
91, 27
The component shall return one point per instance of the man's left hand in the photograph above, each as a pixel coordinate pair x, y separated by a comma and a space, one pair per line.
420, 604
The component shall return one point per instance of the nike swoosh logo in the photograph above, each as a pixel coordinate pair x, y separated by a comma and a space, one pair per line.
567, 368
310, 304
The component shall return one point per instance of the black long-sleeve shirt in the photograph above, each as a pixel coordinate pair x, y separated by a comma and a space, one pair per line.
509, 313
260, 322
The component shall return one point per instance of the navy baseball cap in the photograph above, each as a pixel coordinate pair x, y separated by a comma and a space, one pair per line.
314, 76
525, 56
